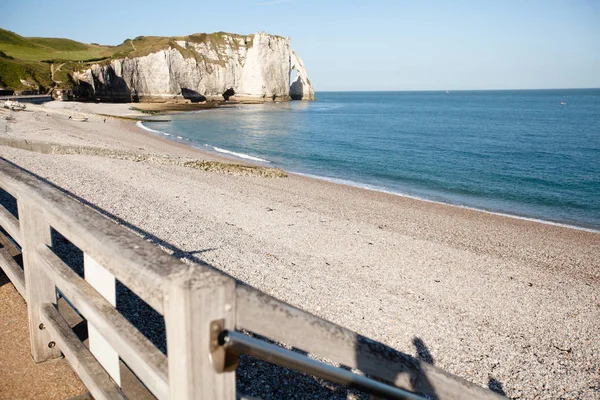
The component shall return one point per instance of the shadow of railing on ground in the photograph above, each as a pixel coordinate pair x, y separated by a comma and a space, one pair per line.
423, 353
408, 369
496, 386
3, 278
254, 377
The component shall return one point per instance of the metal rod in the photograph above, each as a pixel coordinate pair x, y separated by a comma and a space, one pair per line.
241, 343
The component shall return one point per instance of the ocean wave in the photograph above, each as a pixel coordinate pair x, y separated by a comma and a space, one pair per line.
239, 155
139, 124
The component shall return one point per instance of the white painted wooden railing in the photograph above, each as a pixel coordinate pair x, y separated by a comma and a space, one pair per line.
197, 303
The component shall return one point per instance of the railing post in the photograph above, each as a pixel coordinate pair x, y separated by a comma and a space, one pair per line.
104, 282
35, 231
192, 303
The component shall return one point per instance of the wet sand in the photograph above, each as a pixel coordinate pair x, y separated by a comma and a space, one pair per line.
500, 301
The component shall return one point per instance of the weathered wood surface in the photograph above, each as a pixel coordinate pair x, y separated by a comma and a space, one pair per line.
193, 302
38, 288
10, 245
10, 224
149, 363
141, 266
104, 283
265, 315
85, 365
13, 271
190, 298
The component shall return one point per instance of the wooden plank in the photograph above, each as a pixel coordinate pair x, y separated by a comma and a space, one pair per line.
104, 283
10, 245
132, 386
10, 224
193, 302
159, 280
39, 289
85, 365
138, 264
149, 363
267, 316
10, 189
13, 271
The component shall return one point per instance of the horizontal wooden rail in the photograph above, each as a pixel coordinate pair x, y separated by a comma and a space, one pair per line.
141, 266
144, 359
10, 224
272, 318
91, 373
196, 301
13, 271
10, 245
238, 343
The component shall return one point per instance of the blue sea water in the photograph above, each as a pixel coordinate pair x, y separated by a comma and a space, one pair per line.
516, 152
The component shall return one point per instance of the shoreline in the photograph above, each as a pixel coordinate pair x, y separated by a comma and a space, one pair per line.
228, 157
362, 186
365, 186
490, 296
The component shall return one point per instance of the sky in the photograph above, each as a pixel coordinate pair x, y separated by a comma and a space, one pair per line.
363, 45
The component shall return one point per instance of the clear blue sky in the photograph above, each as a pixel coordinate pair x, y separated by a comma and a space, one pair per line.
363, 45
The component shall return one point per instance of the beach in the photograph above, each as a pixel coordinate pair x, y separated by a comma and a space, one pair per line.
503, 302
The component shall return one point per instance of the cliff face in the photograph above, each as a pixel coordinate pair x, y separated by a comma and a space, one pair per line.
202, 67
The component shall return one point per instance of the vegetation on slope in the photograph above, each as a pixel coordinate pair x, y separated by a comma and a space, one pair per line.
38, 49
50, 62
144, 45
12, 71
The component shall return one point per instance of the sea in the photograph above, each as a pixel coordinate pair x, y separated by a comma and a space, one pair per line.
526, 153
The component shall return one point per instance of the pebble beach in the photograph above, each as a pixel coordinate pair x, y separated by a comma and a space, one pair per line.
503, 302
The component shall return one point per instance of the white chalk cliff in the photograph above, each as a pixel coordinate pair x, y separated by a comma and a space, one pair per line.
301, 88
198, 67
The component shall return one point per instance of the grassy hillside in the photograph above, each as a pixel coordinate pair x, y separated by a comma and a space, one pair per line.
32, 59
48, 62
12, 71
38, 49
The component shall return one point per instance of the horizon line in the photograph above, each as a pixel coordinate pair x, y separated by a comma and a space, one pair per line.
455, 90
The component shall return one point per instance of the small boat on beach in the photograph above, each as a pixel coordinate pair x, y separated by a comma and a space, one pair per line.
79, 119
14, 105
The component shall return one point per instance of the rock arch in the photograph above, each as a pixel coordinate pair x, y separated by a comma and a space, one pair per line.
300, 88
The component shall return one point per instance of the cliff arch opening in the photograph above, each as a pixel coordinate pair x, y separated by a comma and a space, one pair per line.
296, 89
293, 75
228, 93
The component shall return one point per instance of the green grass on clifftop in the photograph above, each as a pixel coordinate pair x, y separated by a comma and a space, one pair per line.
31, 59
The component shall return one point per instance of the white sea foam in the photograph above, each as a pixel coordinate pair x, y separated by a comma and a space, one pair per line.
139, 124
383, 190
239, 155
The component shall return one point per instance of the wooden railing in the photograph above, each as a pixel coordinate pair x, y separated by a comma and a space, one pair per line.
203, 311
